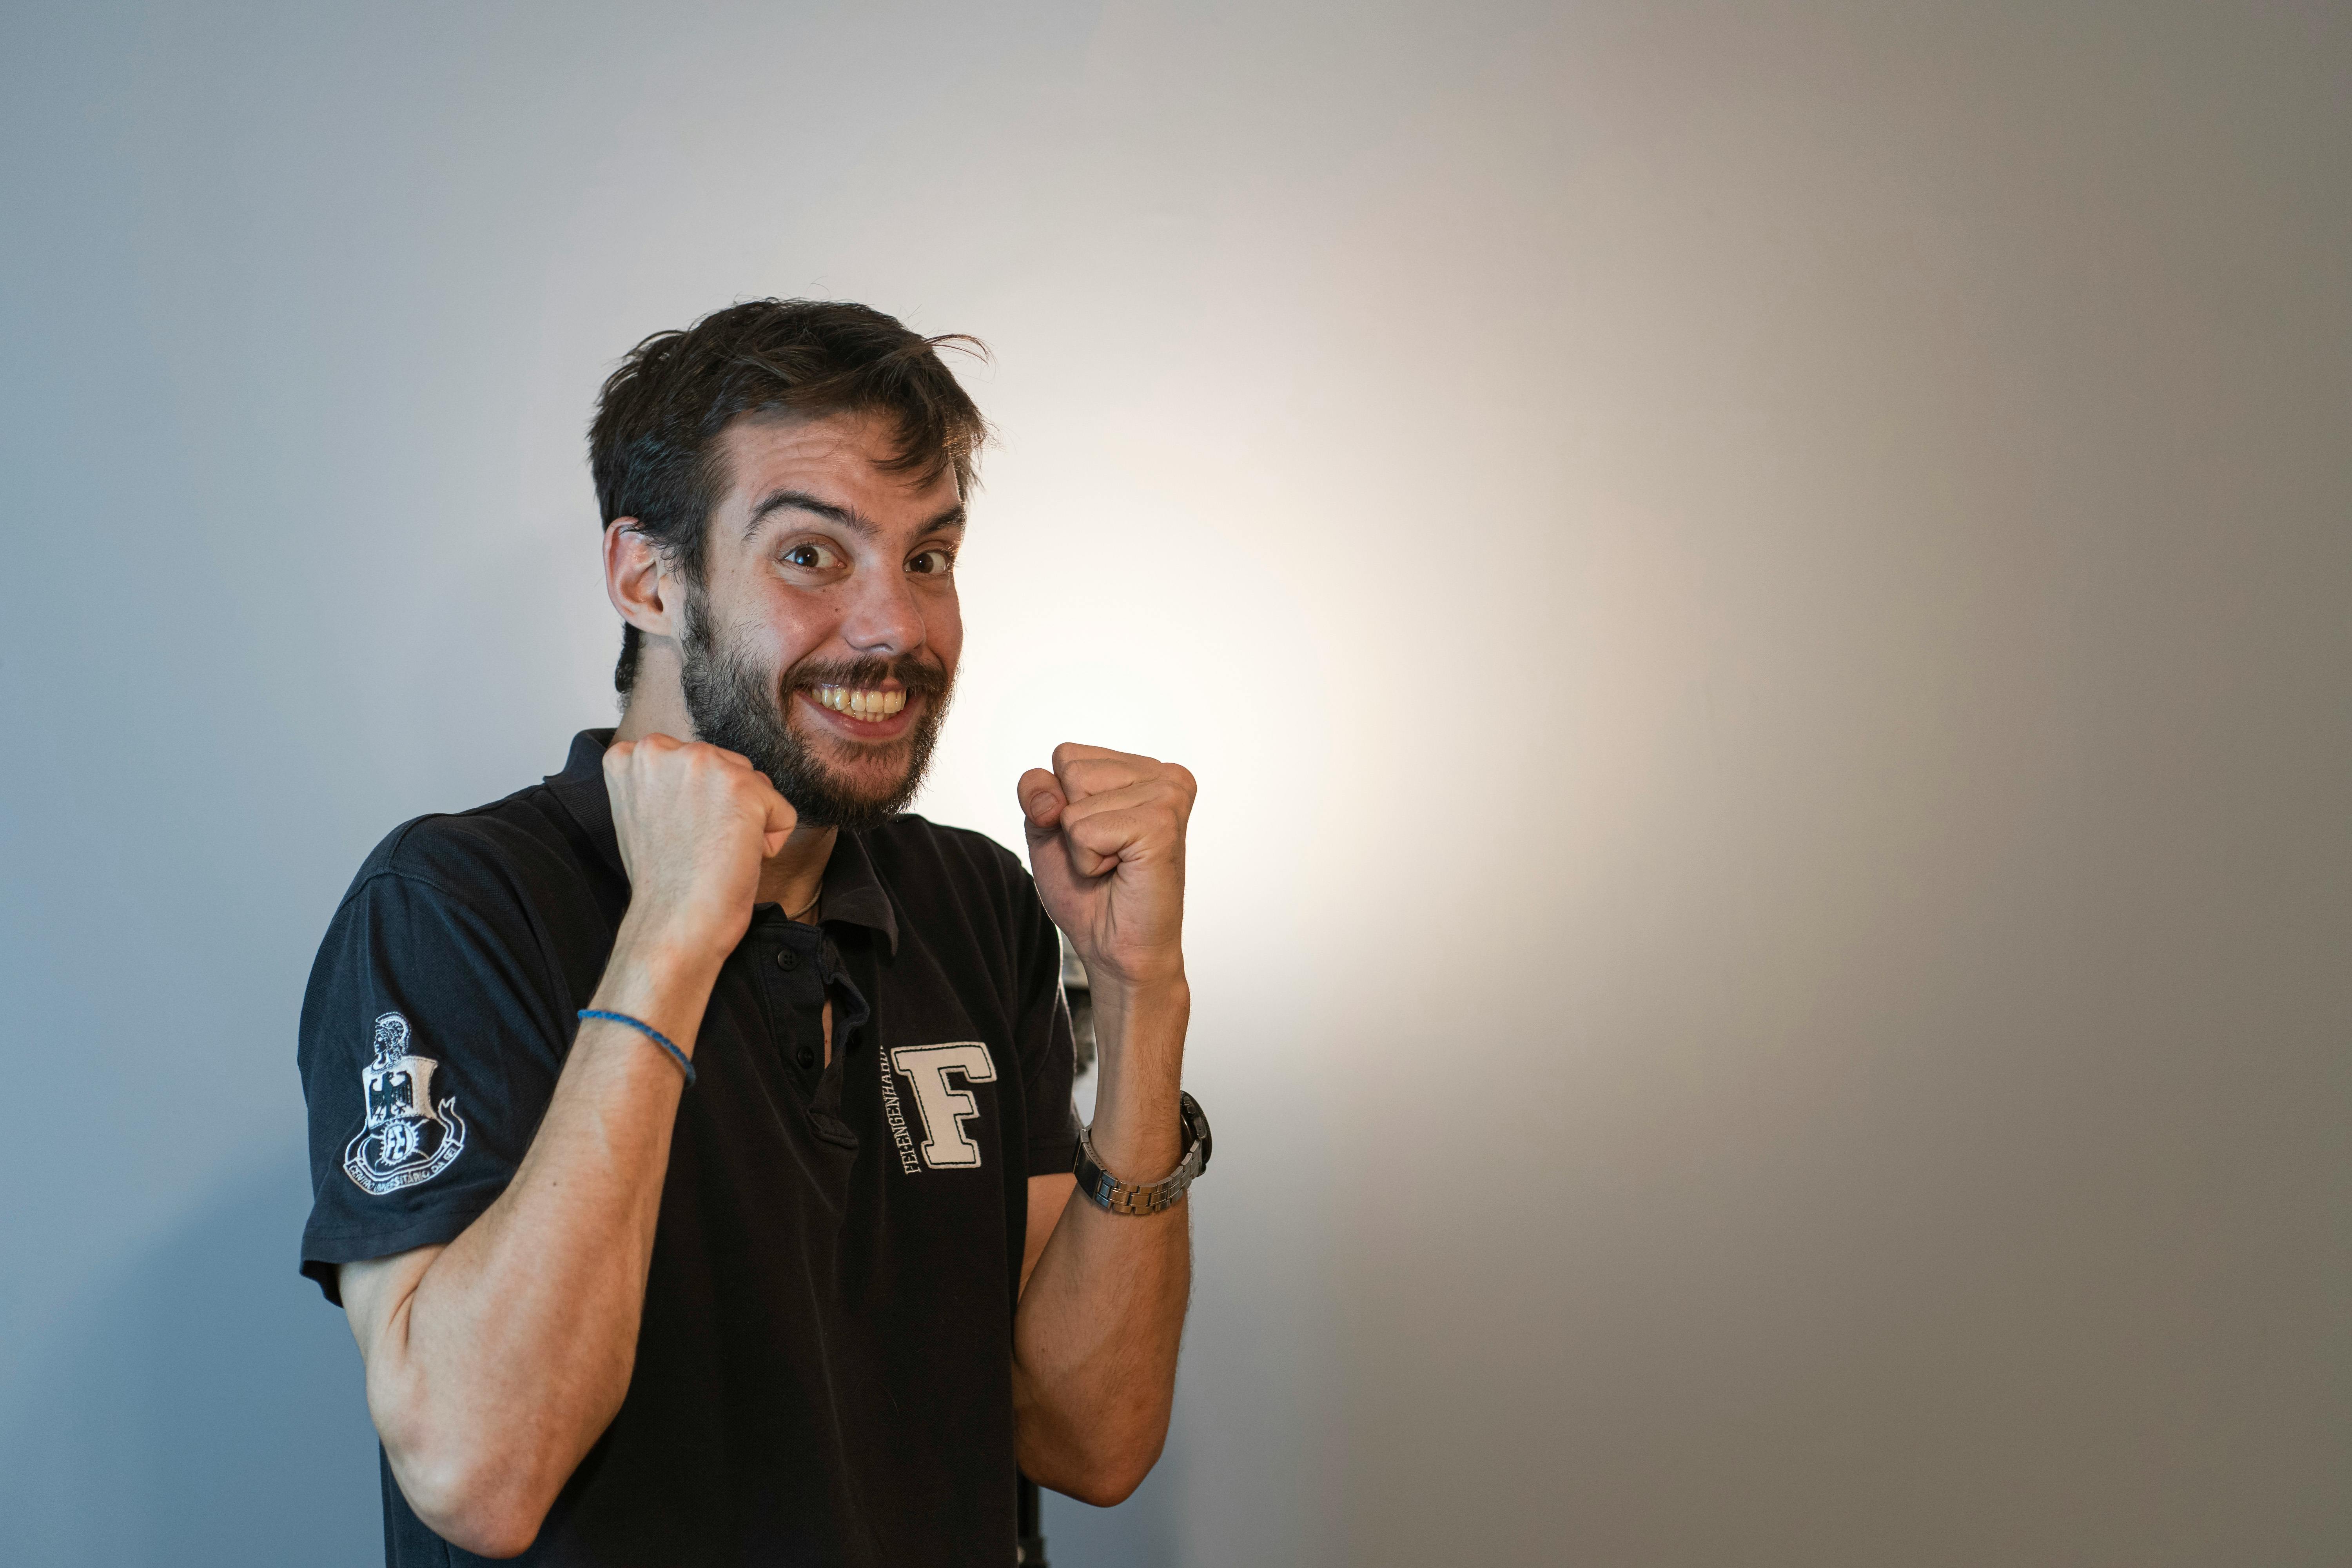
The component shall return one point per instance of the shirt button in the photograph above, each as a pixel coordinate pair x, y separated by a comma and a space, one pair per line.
787, 959
807, 1058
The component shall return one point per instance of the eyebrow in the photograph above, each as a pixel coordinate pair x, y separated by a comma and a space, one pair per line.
847, 517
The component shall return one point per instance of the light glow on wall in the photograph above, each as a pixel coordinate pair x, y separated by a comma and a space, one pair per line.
1757, 598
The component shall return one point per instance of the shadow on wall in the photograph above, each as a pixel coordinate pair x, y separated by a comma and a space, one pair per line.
206, 1409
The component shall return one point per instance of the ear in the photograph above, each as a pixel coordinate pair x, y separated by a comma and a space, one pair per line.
641, 588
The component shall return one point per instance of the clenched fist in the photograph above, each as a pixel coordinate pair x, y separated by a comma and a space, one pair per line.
694, 823
1106, 847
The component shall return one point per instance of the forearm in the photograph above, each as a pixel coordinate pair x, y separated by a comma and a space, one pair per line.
1096, 1338
506, 1361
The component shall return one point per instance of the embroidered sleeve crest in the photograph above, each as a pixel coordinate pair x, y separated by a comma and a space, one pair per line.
407, 1138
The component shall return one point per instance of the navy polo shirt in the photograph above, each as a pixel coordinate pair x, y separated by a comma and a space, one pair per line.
823, 1374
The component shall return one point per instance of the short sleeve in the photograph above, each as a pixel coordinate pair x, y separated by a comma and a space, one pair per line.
431, 1034
1048, 1051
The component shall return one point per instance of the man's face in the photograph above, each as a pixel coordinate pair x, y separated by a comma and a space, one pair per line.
822, 642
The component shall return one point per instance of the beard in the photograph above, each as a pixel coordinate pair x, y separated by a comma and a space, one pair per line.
737, 704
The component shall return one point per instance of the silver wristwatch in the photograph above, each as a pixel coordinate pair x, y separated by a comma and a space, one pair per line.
1115, 1196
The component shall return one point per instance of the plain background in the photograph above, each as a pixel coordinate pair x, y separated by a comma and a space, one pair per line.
1761, 596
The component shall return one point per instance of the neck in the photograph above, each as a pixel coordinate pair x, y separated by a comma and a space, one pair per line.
791, 876
656, 706
656, 700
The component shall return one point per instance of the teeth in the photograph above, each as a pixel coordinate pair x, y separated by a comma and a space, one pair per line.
860, 702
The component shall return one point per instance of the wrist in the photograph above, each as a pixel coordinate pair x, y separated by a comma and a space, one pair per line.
1139, 1033
668, 945
1161, 997
655, 976
1139, 1043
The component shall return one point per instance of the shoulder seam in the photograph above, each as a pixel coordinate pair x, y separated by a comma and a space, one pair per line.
419, 877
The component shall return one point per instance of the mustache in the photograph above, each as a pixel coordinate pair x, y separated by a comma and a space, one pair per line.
914, 674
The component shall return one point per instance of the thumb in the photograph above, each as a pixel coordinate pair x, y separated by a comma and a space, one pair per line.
781, 821
1041, 802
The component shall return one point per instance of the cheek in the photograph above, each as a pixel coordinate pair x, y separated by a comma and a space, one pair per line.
943, 629
782, 626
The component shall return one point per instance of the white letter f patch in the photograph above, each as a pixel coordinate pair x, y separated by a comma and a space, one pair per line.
944, 1109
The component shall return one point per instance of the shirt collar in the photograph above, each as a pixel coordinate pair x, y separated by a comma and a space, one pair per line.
852, 890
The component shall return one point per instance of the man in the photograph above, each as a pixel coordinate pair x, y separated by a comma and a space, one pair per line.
691, 1132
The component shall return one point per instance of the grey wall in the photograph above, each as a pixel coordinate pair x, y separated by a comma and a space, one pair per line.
1762, 597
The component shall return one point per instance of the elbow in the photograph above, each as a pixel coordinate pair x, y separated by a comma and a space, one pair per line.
1104, 1486
472, 1498
486, 1532
1101, 1476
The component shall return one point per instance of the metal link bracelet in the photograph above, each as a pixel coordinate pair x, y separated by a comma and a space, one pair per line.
1136, 1199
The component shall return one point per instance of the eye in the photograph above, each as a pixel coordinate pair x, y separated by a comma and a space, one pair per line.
812, 555
936, 562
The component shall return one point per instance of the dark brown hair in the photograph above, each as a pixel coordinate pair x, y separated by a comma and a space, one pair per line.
654, 446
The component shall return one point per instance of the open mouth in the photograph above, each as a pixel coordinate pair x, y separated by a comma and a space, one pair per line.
870, 704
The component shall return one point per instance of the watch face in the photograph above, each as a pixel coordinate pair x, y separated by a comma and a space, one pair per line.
1197, 1121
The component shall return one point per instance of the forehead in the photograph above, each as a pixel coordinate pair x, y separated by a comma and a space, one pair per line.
836, 457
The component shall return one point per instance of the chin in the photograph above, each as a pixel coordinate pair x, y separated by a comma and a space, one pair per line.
846, 804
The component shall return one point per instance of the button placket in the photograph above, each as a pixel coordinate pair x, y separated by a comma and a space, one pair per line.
796, 1000
850, 1008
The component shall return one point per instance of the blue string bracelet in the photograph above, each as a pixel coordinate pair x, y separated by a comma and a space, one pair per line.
650, 1032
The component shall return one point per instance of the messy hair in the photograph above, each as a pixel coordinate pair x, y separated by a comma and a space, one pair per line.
654, 446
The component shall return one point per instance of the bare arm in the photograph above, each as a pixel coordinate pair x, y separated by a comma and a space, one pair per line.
1102, 1314
1095, 1339
496, 1362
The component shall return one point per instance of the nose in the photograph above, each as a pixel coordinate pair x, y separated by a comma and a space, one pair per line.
884, 620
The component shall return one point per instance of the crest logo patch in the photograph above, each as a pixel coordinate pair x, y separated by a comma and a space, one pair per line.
407, 1138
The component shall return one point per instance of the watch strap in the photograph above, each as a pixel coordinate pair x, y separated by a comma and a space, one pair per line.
1112, 1195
